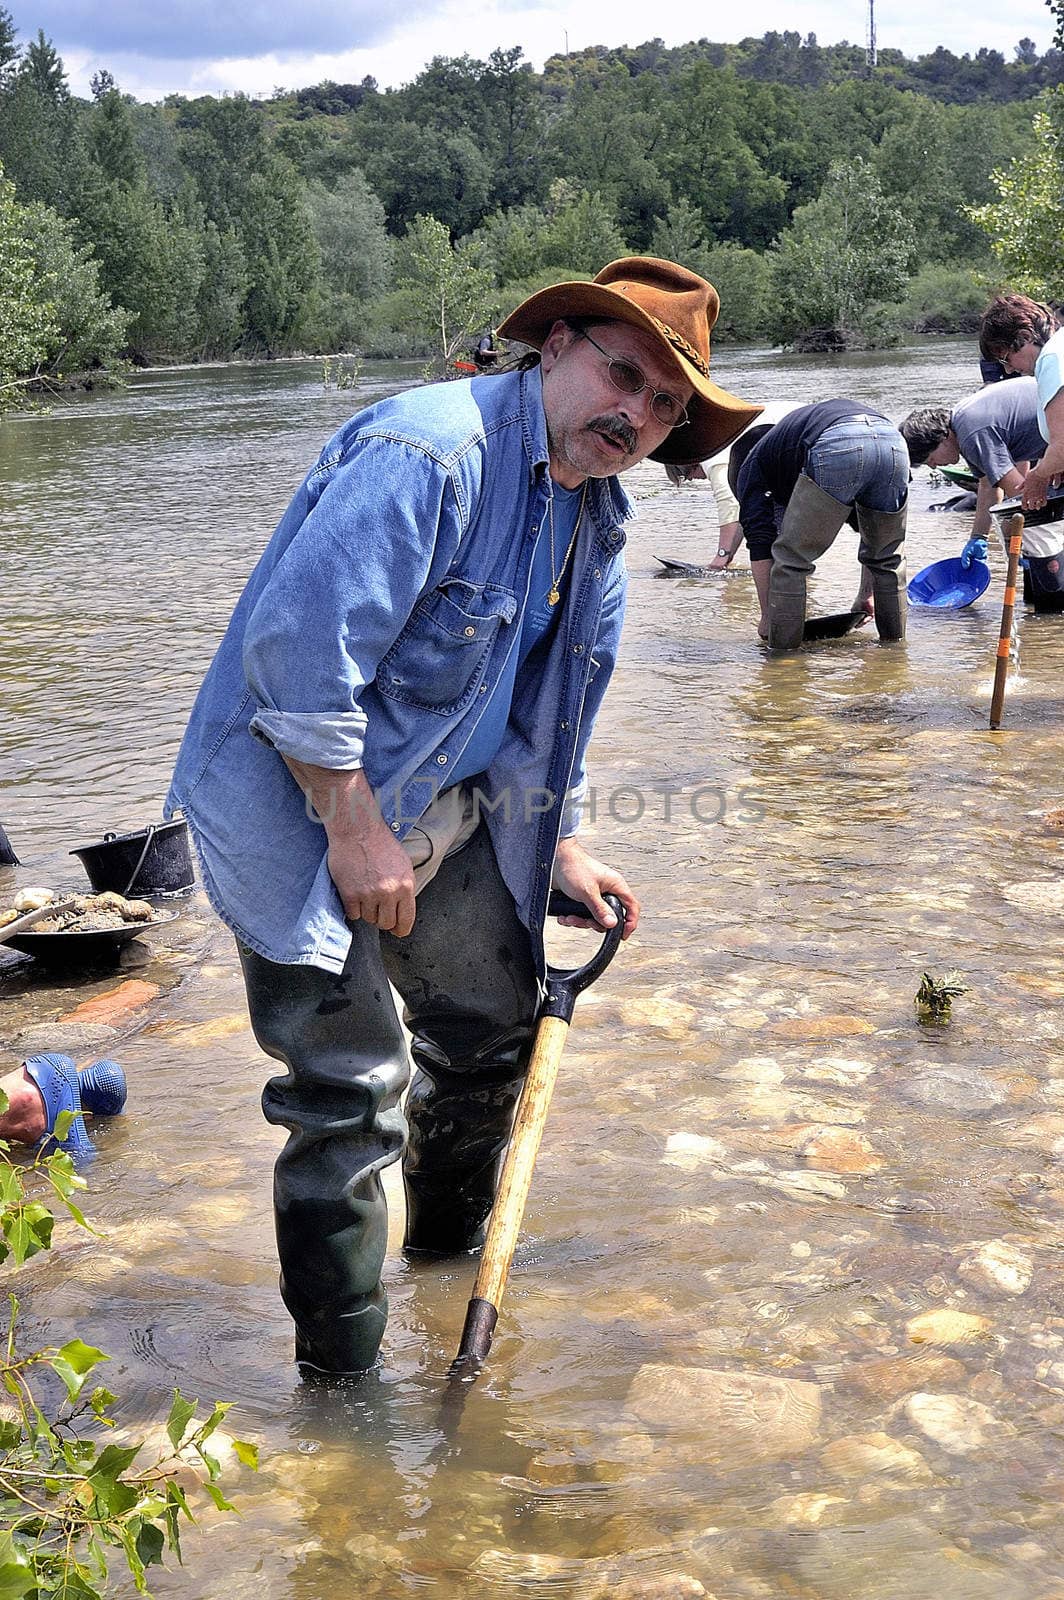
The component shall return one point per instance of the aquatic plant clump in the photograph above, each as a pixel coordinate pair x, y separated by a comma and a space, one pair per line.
935, 996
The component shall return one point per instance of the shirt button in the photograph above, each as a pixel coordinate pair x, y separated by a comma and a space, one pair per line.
470, 633
598, 572
564, 727
483, 689
441, 761
578, 649
395, 827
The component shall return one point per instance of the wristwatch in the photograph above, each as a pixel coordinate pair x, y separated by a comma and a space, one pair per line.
722, 552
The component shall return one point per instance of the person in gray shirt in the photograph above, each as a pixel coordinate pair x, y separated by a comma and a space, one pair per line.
997, 433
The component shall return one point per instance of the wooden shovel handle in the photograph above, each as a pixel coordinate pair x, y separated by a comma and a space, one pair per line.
512, 1195
1001, 665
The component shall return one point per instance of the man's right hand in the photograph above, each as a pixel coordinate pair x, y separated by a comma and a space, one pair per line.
374, 879
372, 872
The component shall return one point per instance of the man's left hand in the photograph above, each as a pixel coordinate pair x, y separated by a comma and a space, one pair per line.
583, 878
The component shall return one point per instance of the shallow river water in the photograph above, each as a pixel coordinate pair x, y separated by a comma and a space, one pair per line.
786, 1318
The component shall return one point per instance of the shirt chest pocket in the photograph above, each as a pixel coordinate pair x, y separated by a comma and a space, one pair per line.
441, 655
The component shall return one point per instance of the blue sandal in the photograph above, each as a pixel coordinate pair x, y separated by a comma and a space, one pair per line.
100, 1089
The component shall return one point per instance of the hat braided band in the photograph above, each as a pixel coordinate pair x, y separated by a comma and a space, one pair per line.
679, 343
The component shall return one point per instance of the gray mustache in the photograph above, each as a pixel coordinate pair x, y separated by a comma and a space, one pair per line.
617, 429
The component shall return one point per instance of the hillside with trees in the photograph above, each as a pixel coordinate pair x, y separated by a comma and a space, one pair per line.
824, 198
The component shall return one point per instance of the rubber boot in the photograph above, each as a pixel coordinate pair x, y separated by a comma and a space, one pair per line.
460, 1114
342, 1043
882, 553
810, 525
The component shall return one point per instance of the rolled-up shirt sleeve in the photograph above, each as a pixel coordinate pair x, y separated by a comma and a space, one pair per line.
341, 594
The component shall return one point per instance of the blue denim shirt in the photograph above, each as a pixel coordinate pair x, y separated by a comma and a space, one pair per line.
372, 633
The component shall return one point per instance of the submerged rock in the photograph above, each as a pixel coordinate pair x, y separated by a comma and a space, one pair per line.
1001, 1267
888, 1378
834, 1026
741, 1415
952, 1421
864, 1455
840, 1150
946, 1327
955, 1088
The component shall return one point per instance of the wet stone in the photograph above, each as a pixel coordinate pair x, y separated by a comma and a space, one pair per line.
953, 1421
957, 1089
739, 1415
835, 1026
66, 1037
947, 1327
999, 1267
869, 1455
840, 1150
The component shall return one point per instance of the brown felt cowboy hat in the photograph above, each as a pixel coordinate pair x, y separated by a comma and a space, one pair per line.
677, 308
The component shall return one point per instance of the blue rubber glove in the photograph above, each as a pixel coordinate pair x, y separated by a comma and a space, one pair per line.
974, 550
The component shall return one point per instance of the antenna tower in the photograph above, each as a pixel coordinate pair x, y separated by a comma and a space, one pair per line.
871, 35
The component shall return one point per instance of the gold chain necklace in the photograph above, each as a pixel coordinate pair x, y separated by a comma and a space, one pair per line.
554, 594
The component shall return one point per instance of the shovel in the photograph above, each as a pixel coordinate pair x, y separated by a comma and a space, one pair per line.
516, 1178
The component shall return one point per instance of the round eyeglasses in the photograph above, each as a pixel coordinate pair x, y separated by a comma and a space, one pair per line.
629, 379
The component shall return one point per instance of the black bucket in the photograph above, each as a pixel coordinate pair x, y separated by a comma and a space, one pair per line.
154, 861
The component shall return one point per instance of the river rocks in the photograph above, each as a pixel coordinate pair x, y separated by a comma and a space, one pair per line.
740, 1416
952, 1421
998, 1266
203, 1033
840, 1150
670, 1586
114, 1006
688, 1151
957, 1089
887, 1379
865, 1455
947, 1327
673, 1018
67, 1037
835, 1026
806, 1510
1041, 895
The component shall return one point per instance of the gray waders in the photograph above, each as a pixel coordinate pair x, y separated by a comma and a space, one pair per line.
810, 526
882, 553
468, 983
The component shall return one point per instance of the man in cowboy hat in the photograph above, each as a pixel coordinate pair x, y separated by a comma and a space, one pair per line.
400, 708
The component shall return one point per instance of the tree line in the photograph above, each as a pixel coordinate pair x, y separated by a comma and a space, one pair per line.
821, 197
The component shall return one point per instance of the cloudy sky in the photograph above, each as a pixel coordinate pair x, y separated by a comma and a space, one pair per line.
158, 47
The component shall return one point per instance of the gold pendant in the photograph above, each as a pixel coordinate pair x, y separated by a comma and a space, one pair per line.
554, 594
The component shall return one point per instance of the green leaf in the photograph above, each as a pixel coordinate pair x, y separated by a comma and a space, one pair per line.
178, 1499
27, 1230
150, 1544
4, 1102
10, 1183
10, 1434
220, 1409
133, 1561
181, 1413
74, 1362
114, 1498
63, 1124
217, 1496
16, 1573
247, 1453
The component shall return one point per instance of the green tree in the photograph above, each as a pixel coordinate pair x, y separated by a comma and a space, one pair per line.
451, 293
28, 325
1023, 224
89, 333
281, 257
680, 236
743, 281
356, 257
844, 251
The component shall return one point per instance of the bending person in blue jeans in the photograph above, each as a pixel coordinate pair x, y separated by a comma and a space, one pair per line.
818, 468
